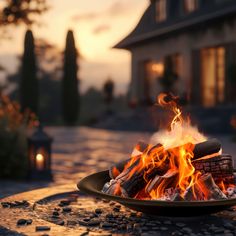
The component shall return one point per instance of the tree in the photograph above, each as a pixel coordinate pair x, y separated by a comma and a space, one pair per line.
13, 12
70, 92
108, 90
29, 83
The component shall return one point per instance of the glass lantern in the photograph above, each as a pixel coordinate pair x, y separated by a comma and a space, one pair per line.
39, 152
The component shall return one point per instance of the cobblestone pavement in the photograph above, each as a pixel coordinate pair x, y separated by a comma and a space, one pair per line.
78, 152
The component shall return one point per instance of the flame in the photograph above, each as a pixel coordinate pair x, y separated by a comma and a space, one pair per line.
171, 152
183, 136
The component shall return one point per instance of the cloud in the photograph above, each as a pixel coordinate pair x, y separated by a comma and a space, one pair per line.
85, 16
117, 8
101, 29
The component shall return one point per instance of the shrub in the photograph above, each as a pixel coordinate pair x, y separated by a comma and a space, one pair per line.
13, 139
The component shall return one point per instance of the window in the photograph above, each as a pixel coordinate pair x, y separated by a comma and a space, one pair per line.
213, 76
161, 10
190, 5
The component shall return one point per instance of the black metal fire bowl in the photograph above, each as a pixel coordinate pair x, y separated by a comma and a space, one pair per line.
93, 184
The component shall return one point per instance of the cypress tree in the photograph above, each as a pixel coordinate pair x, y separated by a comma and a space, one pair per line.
29, 83
70, 93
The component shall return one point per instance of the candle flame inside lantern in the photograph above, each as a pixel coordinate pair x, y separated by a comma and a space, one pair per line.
39, 161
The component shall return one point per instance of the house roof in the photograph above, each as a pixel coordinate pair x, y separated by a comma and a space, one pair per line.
177, 20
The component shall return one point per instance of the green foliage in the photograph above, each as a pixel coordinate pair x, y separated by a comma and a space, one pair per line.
70, 93
29, 83
13, 136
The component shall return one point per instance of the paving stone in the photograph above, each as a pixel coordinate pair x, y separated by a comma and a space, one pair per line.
106, 225
98, 211
180, 224
66, 209
22, 222
167, 222
42, 228
55, 213
71, 223
84, 233
94, 222
61, 222
163, 228
229, 225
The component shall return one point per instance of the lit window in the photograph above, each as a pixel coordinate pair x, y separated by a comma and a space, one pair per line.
190, 5
157, 68
213, 76
161, 10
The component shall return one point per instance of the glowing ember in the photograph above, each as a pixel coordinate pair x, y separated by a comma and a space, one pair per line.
179, 164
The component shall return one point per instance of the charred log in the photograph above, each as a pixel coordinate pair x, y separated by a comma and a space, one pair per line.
206, 148
211, 190
167, 177
193, 193
134, 179
220, 167
177, 197
204, 189
117, 168
200, 150
132, 184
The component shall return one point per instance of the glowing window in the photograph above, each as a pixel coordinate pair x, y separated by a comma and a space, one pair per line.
190, 5
213, 76
161, 10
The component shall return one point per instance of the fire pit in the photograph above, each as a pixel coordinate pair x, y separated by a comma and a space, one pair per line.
94, 183
180, 172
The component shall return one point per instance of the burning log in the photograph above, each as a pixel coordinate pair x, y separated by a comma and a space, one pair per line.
112, 187
130, 184
193, 193
204, 189
117, 168
177, 197
168, 177
206, 148
187, 172
134, 178
203, 149
220, 167
231, 192
209, 188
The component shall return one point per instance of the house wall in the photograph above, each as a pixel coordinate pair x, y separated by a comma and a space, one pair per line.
185, 44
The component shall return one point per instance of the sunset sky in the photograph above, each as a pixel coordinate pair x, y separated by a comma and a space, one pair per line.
97, 26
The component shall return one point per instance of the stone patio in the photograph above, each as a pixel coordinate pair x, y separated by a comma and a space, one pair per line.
78, 152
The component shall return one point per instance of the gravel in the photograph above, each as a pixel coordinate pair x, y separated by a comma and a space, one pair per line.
98, 217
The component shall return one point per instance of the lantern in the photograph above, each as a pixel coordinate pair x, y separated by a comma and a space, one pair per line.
39, 152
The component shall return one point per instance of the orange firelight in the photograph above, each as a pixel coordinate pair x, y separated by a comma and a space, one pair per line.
171, 151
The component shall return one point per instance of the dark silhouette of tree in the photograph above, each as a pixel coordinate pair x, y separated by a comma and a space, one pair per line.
108, 92
21, 11
29, 83
70, 92
49, 62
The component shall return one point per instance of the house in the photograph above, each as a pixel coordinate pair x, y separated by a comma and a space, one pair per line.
187, 47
